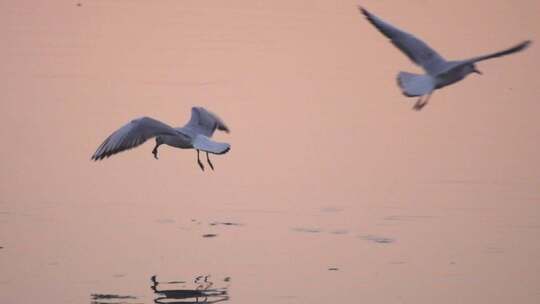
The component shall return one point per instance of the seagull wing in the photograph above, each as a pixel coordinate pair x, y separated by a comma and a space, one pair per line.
204, 122
514, 49
203, 143
132, 135
417, 50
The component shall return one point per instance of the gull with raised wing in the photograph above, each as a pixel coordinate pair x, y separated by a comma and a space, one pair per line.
195, 134
438, 71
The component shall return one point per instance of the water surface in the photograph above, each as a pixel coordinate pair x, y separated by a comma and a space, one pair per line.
334, 190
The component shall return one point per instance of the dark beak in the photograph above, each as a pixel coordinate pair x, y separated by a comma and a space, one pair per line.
477, 71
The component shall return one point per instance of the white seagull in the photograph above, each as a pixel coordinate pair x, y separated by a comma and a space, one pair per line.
439, 72
194, 135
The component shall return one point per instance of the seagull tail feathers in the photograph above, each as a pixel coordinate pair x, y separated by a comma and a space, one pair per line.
415, 84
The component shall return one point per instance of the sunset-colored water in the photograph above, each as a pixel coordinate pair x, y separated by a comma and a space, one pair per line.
334, 191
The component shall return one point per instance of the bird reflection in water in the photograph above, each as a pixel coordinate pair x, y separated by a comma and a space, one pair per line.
202, 293
98, 298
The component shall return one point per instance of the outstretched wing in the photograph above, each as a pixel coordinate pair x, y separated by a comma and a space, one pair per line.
132, 135
204, 122
417, 50
203, 143
514, 49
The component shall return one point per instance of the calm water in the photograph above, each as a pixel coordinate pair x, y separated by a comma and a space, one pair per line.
334, 190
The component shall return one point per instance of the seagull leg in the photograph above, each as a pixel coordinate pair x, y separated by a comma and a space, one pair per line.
209, 162
199, 161
418, 104
155, 150
422, 102
427, 99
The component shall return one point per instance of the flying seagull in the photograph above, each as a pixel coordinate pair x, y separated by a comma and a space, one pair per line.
439, 72
194, 135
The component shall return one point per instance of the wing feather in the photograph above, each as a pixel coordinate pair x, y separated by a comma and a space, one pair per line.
204, 122
131, 135
417, 50
514, 49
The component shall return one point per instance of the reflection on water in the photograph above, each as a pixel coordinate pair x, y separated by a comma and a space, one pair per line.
202, 293
377, 239
111, 299
225, 224
176, 292
307, 230
340, 231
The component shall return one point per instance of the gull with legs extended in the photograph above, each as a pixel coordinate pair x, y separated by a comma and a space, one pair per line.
195, 134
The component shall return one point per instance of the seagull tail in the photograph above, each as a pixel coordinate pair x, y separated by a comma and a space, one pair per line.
204, 143
415, 84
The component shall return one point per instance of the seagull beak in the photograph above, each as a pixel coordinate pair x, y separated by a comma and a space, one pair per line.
477, 71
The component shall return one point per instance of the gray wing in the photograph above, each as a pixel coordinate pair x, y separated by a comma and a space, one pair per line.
509, 51
417, 50
204, 122
204, 143
132, 135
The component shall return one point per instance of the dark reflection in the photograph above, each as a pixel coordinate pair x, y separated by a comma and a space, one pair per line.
111, 299
203, 292
377, 239
225, 224
209, 235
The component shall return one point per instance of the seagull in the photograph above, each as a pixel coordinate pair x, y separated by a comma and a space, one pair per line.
195, 134
438, 71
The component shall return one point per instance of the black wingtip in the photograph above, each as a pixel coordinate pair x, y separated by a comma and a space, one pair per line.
368, 16
522, 46
224, 128
363, 11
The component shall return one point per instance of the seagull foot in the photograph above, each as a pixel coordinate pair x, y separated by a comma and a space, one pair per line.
209, 162
419, 106
200, 164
